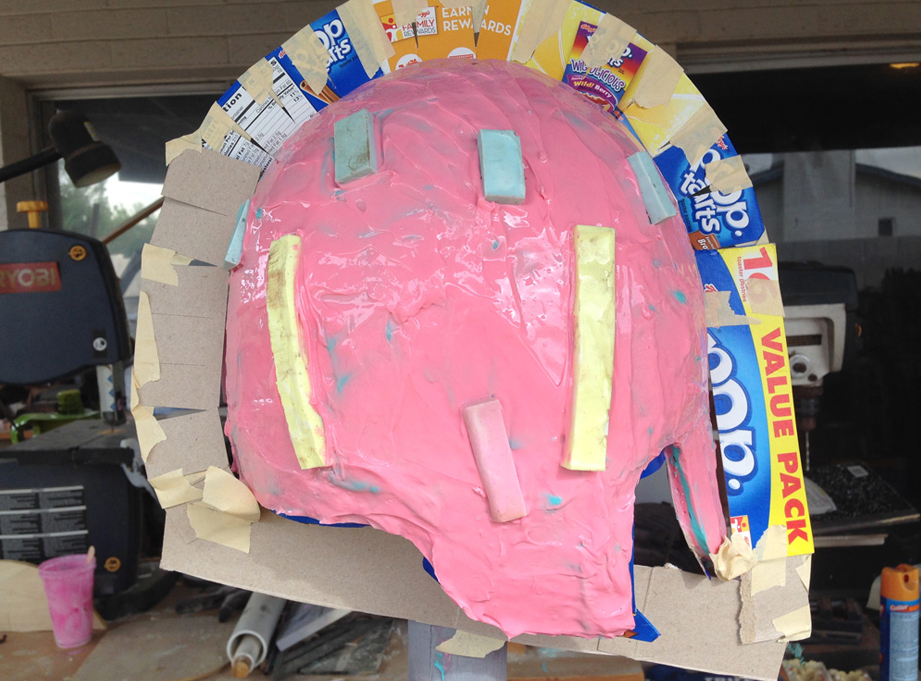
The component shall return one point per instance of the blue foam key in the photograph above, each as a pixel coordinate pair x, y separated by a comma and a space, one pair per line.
501, 166
235, 249
658, 204
354, 147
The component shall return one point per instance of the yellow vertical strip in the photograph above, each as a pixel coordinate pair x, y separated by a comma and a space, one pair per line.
593, 370
305, 427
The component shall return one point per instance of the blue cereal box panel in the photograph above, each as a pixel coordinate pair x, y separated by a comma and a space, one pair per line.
345, 70
713, 219
753, 396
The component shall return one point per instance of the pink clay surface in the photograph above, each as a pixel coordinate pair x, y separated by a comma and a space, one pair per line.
416, 297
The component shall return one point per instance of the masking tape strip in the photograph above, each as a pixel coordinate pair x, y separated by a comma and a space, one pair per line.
728, 175
658, 80
227, 511
146, 356
543, 19
805, 571
795, 625
258, 81
177, 146
174, 488
218, 527
764, 296
134, 400
309, 57
404, 11
465, 644
734, 557
768, 574
773, 544
700, 133
364, 27
216, 125
719, 313
227, 494
157, 265
609, 41
479, 9
150, 432
214, 129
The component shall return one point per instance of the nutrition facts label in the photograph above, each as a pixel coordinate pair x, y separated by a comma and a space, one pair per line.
289, 94
268, 123
41, 523
241, 149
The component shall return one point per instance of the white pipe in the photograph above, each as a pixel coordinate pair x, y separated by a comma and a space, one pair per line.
249, 643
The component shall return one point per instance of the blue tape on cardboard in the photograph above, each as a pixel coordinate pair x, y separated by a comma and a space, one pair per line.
713, 219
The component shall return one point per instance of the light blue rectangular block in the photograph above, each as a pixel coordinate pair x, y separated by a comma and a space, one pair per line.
501, 166
658, 204
235, 249
354, 148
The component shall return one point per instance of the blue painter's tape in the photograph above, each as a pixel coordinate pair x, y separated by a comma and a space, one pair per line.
428, 567
355, 150
653, 465
501, 166
658, 203
235, 249
643, 630
313, 521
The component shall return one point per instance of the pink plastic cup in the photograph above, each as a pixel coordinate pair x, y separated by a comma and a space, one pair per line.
68, 584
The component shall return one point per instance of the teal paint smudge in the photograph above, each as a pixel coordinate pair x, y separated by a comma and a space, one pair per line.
342, 381
354, 485
389, 330
495, 244
553, 501
543, 666
680, 297
440, 663
652, 308
656, 263
695, 525
515, 444
259, 213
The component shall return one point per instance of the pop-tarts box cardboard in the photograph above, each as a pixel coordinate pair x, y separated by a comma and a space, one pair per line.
713, 219
753, 395
345, 70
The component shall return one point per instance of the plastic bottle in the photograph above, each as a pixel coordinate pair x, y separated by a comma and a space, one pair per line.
899, 606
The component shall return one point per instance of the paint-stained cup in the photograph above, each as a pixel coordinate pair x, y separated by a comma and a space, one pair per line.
68, 584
